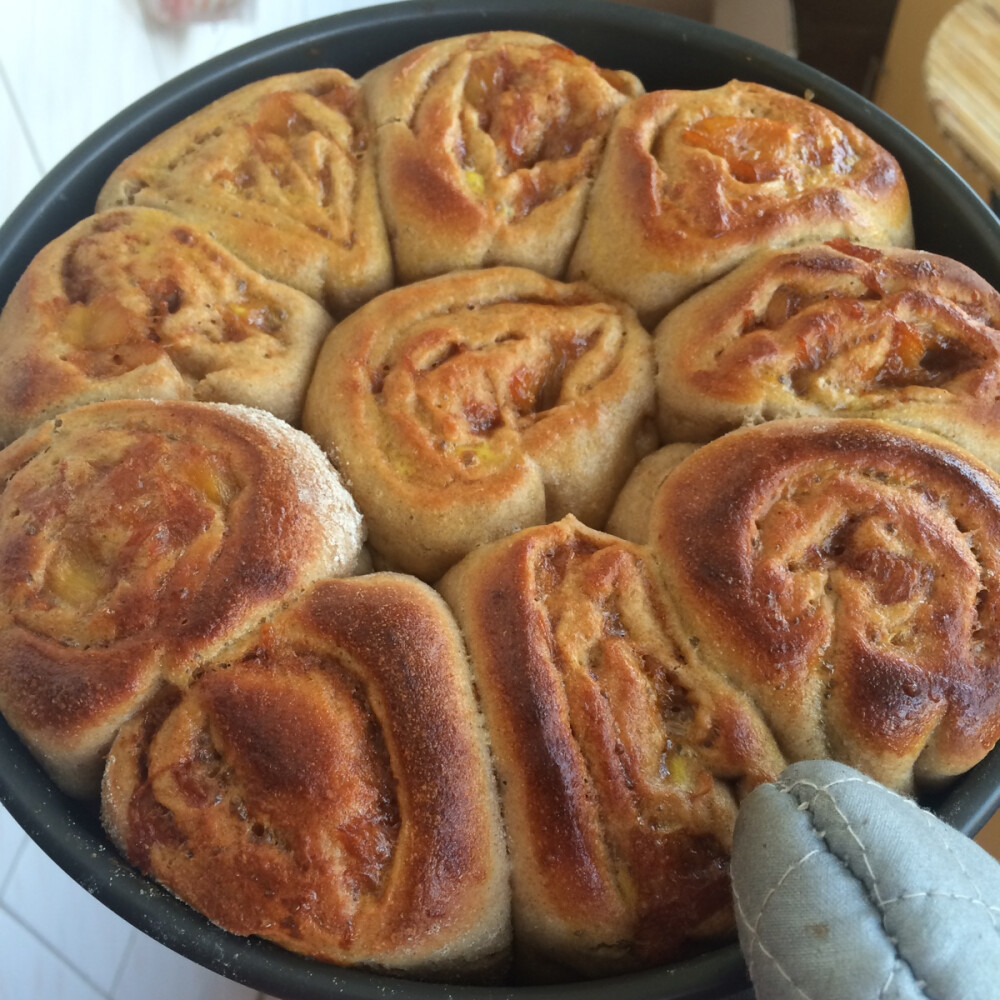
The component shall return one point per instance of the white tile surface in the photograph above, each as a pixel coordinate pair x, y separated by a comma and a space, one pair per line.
152, 972
12, 841
91, 938
29, 971
178, 49
20, 171
71, 74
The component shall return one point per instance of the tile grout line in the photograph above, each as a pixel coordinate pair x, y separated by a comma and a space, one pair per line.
15, 916
120, 971
15, 861
19, 114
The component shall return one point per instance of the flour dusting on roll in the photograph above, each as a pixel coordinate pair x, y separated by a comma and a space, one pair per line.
137, 537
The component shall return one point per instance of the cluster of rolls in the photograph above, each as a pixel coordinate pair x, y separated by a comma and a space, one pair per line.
222, 510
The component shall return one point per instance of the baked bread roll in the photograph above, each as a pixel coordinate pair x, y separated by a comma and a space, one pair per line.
467, 406
630, 516
692, 182
281, 173
843, 573
325, 784
836, 330
620, 758
135, 539
487, 148
135, 303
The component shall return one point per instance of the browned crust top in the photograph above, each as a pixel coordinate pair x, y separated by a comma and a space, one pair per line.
620, 761
845, 568
326, 787
153, 526
740, 163
841, 326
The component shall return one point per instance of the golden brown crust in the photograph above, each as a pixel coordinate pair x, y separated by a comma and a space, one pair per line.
842, 572
836, 330
135, 303
136, 537
281, 171
620, 759
487, 148
326, 785
692, 182
467, 406
306, 761
629, 518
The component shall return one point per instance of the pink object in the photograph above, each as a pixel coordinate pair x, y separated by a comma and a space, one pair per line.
186, 11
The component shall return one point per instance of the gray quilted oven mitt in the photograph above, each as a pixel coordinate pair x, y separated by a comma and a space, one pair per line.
844, 890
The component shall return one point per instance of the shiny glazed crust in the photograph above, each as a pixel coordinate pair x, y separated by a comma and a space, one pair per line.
836, 330
487, 148
467, 406
281, 172
326, 785
135, 303
137, 537
692, 182
621, 760
843, 573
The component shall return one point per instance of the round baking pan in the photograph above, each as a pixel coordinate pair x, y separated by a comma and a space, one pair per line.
664, 51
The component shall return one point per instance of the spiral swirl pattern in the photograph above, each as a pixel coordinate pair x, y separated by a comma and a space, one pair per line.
281, 172
135, 303
621, 760
487, 149
325, 785
136, 537
836, 330
843, 573
464, 407
692, 182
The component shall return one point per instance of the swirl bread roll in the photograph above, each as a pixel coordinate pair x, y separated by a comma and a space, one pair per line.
836, 330
844, 574
620, 759
281, 172
487, 148
135, 303
326, 784
692, 182
467, 406
136, 537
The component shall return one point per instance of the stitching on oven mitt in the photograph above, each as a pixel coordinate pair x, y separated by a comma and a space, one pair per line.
845, 890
